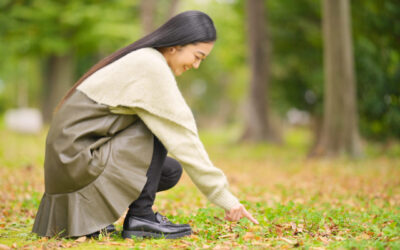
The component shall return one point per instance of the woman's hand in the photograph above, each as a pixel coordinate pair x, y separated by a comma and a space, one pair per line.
238, 212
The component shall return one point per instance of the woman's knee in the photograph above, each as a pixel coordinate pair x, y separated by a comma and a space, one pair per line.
171, 173
172, 168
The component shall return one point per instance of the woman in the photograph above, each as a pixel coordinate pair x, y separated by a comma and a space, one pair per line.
107, 145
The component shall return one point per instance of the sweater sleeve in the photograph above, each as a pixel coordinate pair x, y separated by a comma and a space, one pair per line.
186, 147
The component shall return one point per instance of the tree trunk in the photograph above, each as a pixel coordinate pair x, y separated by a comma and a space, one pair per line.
148, 11
258, 126
58, 78
340, 121
173, 8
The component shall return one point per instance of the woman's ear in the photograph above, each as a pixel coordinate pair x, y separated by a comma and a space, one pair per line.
174, 49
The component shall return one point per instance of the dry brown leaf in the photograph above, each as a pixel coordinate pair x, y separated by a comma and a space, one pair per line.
364, 236
370, 233
288, 240
115, 244
232, 236
186, 243
129, 240
44, 239
249, 236
193, 236
81, 239
323, 239
219, 247
339, 238
4, 247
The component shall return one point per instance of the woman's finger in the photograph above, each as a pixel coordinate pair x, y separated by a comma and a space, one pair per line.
250, 217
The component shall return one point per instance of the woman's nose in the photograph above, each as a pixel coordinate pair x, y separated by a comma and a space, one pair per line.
196, 65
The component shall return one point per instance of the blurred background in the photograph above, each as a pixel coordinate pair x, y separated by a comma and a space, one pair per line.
298, 103
329, 69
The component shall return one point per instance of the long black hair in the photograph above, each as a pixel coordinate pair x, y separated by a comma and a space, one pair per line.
185, 28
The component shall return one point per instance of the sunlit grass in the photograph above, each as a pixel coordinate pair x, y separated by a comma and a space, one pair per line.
299, 202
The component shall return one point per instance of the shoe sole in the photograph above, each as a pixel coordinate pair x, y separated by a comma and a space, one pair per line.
128, 234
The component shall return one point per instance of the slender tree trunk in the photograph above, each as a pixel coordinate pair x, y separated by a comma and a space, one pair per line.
173, 8
340, 119
148, 11
153, 11
257, 121
58, 78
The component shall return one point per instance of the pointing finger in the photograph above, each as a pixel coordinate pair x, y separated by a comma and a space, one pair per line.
250, 217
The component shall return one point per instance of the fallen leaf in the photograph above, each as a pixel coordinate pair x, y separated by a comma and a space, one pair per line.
339, 238
129, 240
81, 239
288, 241
365, 236
249, 236
193, 236
232, 236
4, 247
323, 239
219, 247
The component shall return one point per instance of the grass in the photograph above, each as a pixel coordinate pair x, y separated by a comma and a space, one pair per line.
300, 202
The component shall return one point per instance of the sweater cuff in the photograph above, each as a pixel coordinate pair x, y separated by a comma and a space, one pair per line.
225, 200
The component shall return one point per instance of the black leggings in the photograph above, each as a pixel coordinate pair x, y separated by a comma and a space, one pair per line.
163, 173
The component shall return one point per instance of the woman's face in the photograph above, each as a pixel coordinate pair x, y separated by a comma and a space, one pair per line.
182, 58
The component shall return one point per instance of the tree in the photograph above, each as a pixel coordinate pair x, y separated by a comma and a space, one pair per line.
340, 119
154, 13
56, 32
258, 127
147, 12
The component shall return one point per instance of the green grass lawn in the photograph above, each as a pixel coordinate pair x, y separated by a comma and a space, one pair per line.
299, 202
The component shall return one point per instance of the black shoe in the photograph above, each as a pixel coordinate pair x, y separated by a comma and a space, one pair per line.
162, 227
107, 230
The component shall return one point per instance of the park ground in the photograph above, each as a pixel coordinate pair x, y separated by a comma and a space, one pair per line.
299, 202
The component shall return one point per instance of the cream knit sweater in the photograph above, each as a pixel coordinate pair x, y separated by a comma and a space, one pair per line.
142, 83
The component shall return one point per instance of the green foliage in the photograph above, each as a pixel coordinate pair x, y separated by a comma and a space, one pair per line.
31, 31
296, 55
297, 61
59, 27
377, 55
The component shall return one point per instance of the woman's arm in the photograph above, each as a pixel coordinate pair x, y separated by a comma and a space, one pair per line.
186, 147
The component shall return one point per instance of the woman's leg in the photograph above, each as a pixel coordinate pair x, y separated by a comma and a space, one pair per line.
142, 206
163, 173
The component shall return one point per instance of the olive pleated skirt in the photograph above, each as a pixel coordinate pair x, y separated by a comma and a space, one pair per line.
95, 166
